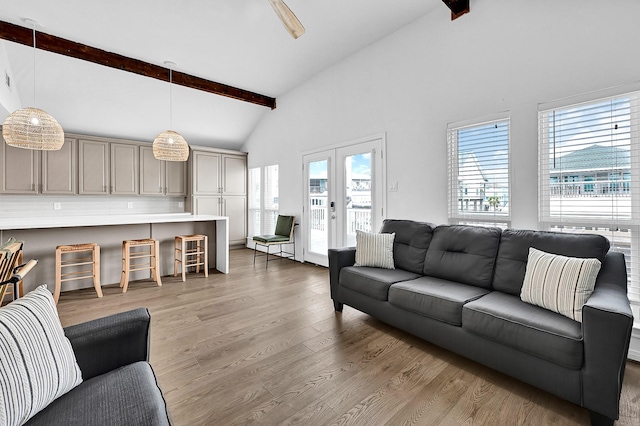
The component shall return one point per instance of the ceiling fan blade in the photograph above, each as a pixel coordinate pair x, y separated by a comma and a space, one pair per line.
288, 18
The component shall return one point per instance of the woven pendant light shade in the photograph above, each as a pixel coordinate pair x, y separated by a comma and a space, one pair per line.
32, 128
170, 146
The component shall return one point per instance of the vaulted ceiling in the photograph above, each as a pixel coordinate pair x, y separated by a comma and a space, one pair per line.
235, 42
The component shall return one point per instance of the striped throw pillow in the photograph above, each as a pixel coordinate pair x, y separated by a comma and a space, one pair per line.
374, 250
558, 283
37, 363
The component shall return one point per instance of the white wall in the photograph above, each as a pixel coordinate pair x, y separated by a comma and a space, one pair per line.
503, 56
9, 96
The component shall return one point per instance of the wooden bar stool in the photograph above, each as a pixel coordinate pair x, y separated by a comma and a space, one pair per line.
74, 256
190, 251
150, 251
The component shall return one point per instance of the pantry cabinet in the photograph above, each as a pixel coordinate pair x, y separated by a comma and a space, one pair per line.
219, 187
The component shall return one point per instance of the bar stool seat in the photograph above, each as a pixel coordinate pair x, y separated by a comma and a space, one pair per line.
150, 255
74, 256
191, 251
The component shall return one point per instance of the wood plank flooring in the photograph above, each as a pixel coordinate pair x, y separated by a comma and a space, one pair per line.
265, 347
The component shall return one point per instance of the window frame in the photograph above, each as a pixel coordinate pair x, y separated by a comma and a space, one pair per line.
455, 216
264, 210
615, 226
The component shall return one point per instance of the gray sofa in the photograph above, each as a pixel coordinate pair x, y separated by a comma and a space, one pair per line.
459, 287
119, 386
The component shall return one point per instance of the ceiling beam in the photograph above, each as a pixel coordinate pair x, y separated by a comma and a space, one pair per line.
458, 7
51, 43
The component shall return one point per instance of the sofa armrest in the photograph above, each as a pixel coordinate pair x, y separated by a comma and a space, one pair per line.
338, 259
111, 342
607, 321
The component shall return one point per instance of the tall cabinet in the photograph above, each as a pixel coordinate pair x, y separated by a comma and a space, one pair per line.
219, 187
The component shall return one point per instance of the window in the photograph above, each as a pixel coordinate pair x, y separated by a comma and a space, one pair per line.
588, 171
254, 202
271, 201
478, 173
263, 200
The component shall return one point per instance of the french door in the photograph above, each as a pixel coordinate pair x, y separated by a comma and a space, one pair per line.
344, 192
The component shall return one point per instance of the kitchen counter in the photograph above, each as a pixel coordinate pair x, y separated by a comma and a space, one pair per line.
101, 220
41, 235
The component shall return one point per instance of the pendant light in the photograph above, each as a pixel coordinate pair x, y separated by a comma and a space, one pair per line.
32, 128
170, 145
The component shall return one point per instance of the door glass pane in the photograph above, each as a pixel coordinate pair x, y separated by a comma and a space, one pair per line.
318, 207
358, 195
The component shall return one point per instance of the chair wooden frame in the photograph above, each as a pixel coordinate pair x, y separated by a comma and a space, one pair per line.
279, 239
191, 251
90, 253
152, 254
10, 258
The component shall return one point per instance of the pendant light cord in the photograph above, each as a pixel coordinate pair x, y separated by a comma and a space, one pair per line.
34, 64
170, 98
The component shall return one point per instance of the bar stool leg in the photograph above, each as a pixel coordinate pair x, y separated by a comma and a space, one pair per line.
176, 243
56, 292
124, 282
198, 258
96, 269
156, 262
183, 257
206, 256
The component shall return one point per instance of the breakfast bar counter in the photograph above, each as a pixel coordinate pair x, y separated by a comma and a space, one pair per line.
41, 235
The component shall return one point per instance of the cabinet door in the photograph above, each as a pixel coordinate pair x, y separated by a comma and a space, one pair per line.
234, 177
235, 207
206, 173
152, 173
93, 167
59, 169
207, 205
20, 169
176, 178
124, 169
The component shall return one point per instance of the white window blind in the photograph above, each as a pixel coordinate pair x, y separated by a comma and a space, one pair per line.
271, 199
254, 201
478, 173
588, 174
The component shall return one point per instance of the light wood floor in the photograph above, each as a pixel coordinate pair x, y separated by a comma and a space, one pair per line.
265, 347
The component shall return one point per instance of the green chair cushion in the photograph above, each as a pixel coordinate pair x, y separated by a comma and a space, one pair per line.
271, 238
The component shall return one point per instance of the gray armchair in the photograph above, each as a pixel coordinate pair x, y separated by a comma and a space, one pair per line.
119, 386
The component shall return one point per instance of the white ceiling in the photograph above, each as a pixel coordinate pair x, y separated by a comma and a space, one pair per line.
237, 42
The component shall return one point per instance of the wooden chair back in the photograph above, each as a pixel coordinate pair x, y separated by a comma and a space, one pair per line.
10, 257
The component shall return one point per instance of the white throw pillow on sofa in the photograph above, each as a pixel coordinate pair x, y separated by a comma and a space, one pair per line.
558, 283
37, 362
374, 250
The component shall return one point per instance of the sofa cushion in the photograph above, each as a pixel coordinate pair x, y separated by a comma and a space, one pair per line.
411, 242
464, 254
434, 298
373, 282
374, 250
37, 363
508, 320
559, 283
511, 262
126, 396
